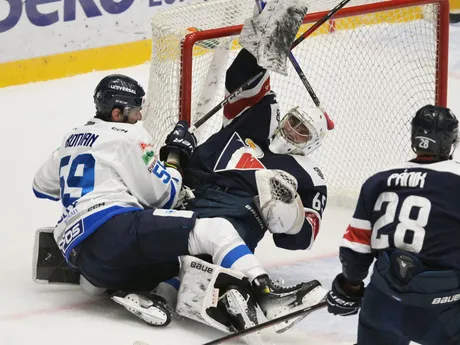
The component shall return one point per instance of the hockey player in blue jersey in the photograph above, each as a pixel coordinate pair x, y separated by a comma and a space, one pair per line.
118, 228
255, 172
407, 219
229, 172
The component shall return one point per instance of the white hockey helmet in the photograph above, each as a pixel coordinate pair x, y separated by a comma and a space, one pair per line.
299, 132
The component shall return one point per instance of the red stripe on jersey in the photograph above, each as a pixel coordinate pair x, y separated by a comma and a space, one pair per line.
358, 235
232, 110
314, 222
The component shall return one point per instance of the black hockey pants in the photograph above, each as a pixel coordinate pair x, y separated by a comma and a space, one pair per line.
385, 321
136, 250
234, 205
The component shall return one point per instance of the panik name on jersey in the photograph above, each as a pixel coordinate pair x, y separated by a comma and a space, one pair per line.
407, 179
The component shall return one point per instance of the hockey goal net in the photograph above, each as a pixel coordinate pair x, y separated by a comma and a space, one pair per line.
372, 67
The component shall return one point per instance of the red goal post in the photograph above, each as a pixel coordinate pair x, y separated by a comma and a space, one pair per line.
372, 66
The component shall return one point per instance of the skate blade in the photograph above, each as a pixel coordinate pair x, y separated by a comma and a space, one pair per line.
153, 315
315, 296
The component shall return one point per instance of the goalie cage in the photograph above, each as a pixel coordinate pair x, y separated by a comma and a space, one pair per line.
372, 66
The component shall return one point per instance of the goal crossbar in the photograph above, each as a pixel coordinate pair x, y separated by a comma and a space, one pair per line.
442, 55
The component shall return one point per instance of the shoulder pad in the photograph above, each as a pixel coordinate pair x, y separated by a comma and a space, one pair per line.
311, 169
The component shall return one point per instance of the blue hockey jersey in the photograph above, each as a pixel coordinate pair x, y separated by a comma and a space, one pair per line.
231, 156
411, 207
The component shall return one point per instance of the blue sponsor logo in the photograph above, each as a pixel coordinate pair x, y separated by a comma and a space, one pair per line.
70, 235
40, 13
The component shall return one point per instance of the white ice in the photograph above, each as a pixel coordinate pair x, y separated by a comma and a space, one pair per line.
35, 117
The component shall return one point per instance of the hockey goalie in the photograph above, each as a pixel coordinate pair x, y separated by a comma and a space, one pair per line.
236, 174
120, 234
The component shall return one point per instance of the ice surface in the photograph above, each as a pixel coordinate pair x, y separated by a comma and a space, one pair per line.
35, 117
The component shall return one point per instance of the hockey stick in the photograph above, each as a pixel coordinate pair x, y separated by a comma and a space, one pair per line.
225, 101
320, 22
268, 323
298, 69
311, 92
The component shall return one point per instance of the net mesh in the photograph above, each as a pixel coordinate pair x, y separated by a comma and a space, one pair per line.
370, 71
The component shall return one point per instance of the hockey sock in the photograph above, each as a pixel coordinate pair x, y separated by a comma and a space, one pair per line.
168, 290
218, 237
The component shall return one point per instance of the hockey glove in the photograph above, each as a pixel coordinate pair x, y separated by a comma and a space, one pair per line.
343, 300
180, 140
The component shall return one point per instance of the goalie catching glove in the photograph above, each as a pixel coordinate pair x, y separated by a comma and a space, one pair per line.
278, 201
181, 142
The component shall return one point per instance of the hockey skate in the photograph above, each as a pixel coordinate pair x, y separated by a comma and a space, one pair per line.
276, 300
152, 309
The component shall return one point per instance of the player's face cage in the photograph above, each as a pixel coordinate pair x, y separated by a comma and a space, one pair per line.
136, 112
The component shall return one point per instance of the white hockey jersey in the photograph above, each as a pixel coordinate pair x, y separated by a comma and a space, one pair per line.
100, 170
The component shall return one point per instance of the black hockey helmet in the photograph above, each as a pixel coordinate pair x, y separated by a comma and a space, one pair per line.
117, 91
434, 131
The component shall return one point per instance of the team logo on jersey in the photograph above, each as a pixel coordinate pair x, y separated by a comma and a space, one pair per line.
239, 154
145, 146
258, 151
70, 235
148, 157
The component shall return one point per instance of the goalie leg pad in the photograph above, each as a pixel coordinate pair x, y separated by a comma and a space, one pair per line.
207, 290
241, 307
49, 265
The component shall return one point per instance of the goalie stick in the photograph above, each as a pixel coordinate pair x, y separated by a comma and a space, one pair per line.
298, 69
224, 102
243, 87
320, 22
267, 324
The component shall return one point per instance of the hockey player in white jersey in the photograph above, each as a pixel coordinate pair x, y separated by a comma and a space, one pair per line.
117, 227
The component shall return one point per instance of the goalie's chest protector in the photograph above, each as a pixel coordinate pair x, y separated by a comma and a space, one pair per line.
230, 157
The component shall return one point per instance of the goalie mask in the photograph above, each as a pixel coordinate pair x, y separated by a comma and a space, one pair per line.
299, 132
